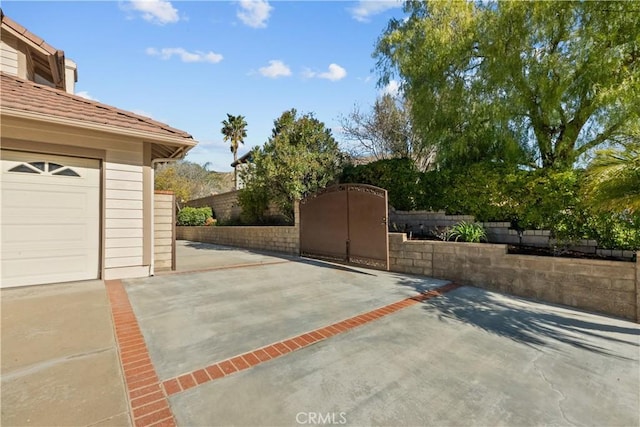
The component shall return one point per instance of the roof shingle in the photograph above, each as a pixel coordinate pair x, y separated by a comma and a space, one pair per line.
24, 95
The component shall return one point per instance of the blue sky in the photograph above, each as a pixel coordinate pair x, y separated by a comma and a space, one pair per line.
188, 63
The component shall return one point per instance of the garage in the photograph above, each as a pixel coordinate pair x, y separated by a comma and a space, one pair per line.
50, 218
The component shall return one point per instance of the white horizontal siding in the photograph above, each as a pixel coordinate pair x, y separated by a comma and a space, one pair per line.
123, 223
123, 204
132, 173
135, 251
123, 194
163, 230
113, 184
123, 212
125, 272
8, 59
123, 262
125, 242
118, 233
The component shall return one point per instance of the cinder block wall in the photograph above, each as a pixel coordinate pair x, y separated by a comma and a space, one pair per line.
164, 230
497, 232
285, 239
225, 206
609, 287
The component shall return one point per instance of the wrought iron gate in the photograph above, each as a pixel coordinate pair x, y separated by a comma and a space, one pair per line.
346, 223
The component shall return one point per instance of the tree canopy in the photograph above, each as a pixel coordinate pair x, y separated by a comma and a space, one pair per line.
189, 180
613, 179
386, 132
531, 83
234, 129
300, 157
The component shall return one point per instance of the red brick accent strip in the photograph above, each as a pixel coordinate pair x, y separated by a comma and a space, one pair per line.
247, 360
147, 400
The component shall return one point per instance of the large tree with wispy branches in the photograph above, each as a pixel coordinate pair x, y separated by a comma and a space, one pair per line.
541, 84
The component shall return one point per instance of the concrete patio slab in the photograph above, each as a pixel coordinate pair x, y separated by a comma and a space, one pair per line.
196, 256
191, 320
467, 357
59, 358
461, 356
499, 361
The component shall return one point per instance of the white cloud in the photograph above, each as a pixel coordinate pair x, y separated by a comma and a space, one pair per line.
334, 73
156, 11
185, 55
365, 9
392, 88
254, 13
275, 69
85, 94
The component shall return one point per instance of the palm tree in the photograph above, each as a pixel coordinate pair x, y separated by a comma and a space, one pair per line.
613, 178
234, 129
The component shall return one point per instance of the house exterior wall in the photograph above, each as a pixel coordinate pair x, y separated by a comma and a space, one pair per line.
124, 253
164, 231
9, 55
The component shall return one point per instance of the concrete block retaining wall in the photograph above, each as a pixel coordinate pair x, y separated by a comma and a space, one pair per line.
497, 232
285, 239
273, 239
609, 287
226, 206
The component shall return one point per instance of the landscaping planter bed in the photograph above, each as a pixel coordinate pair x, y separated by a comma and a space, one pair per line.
563, 253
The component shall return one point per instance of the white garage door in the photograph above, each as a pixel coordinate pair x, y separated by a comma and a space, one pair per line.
50, 219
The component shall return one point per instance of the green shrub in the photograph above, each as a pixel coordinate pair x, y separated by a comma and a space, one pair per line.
255, 202
477, 190
530, 199
398, 176
194, 216
467, 232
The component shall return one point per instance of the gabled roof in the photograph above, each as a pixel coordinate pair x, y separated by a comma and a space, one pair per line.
46, 58
28, 35
27, 99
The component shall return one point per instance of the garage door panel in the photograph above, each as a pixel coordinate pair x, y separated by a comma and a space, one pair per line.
59, 268
50, 238
50, 223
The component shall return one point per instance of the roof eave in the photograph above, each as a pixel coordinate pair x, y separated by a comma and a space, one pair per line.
183, 143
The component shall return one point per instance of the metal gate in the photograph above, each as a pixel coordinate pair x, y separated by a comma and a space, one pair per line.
346, 223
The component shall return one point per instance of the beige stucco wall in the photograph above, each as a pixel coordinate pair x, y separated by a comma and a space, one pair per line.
124, 251
609, 287
163, 231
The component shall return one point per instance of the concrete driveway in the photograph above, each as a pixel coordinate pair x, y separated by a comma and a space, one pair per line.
60, 362
260, 339
465, 357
